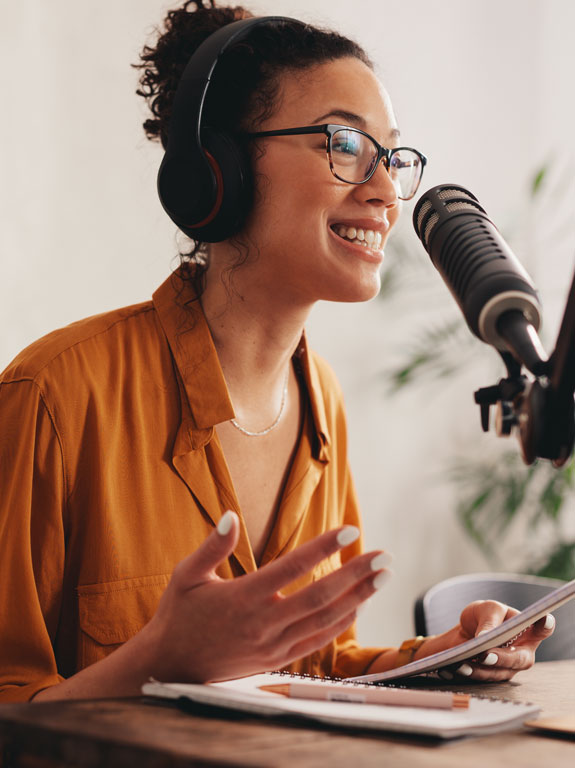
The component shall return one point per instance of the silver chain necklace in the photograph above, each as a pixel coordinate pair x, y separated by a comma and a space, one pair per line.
277, 419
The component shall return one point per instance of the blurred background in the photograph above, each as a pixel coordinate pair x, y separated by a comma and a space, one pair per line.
486, 91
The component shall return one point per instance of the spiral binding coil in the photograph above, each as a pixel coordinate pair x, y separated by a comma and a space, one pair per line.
356, 684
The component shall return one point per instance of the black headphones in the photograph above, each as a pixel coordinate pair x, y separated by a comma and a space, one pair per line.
205, 179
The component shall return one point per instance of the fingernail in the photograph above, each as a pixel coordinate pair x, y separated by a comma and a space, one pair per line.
380, 579
464, 670
549, 621
490, 659
380, 561
225, 524
483, 631
445, 674
347, 535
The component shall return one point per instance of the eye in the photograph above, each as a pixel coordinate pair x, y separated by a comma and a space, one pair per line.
346, 143
404, 159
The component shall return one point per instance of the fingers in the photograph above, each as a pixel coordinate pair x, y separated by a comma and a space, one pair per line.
313, 616
496, 665
200, 565
503, 662
320, 638
300, 561
339, 592
333, 613
540, 630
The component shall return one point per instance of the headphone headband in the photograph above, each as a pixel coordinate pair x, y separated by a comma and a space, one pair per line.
204, 181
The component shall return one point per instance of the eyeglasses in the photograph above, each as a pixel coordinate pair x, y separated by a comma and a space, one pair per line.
354, 156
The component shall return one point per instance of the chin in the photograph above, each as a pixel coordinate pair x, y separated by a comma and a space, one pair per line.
355, 292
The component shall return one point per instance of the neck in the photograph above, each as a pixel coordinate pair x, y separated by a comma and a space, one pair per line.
256, 329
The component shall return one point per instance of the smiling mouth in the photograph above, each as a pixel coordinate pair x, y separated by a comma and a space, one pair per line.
369, 238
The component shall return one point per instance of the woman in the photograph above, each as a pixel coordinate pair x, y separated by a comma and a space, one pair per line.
201, 423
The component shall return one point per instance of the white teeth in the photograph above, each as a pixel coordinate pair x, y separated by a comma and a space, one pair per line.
366, 237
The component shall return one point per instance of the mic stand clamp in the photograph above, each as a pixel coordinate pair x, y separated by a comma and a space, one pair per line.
543, 408
506, 395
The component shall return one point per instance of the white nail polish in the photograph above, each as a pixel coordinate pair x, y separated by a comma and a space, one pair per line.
464, 670
490, 659
225, 524
380, 561
483, 631
380, 579
549, 621
347, 535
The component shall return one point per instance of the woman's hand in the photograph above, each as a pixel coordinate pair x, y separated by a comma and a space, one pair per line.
209, 629
496, 664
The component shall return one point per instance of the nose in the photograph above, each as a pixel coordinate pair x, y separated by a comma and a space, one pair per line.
379, 189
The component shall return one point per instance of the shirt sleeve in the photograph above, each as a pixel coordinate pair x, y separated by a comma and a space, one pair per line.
31, 541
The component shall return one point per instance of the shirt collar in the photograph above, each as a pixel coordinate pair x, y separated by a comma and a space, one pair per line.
310, 372
200, 374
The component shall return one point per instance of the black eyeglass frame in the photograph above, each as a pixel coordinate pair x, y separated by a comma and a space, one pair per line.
329, 129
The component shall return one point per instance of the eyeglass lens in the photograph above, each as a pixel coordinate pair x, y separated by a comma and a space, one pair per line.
354, 155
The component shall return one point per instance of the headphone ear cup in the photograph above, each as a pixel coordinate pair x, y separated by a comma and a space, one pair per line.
234, 188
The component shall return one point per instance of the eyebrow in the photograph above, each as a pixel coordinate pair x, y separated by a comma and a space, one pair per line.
352, 118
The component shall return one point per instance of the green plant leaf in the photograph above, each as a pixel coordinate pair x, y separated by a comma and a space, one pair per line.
560, 562
437, 353
538, 180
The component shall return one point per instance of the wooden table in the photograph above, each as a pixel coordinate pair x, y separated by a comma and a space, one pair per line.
136, 733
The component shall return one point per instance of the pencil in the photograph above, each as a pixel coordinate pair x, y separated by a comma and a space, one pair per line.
370, 694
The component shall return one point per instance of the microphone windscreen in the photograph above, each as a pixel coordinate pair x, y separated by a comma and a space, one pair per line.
475, 262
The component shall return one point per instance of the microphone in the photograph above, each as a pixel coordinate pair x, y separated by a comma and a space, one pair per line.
494, 292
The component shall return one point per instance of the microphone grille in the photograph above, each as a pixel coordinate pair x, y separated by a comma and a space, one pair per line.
444, 198
426, 206
457, 203
429, 227
425, 209
446, 193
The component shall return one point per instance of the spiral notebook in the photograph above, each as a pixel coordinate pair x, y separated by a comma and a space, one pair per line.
483, 716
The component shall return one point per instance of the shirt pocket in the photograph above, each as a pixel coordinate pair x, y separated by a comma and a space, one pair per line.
111, 613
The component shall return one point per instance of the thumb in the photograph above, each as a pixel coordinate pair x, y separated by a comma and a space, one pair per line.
199, 566
490, 614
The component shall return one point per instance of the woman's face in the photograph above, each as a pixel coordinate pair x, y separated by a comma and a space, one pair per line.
302, 210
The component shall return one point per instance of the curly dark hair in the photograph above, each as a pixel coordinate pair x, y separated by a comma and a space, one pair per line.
244, 88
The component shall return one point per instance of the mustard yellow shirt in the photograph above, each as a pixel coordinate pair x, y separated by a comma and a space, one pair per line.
111, 473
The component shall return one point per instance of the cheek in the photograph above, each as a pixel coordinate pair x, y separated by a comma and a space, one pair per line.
288, 205
291, 184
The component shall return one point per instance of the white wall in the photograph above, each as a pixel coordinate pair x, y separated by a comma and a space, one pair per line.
484, 89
